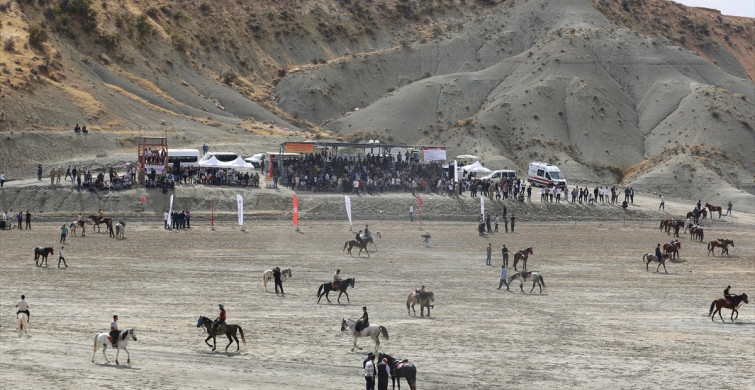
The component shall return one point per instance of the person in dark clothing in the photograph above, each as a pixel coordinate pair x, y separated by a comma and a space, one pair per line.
28, 220
727, 295
658, 253
364, 320
221, 318
383, 373
278, 283
513, 221
358, 237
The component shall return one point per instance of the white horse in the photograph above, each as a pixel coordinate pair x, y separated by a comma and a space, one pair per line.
101, 340
268, 276
373, 331
522, 277
120, 230
648, 258
23, 324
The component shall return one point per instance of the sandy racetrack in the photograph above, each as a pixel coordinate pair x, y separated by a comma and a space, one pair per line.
604, 322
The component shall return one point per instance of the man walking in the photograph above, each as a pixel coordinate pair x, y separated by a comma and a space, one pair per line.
504, 276
505, 252
63, 234
662, 205
61, 257
411, 212
488, 250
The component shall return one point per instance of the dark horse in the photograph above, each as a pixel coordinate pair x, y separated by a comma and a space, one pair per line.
43, 252
229, 330
361, 246
523, 254
672, 248
326, 288
96, 221
713, 208
401, 369
723, 303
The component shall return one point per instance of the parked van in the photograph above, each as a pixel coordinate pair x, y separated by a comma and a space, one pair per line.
221, 156
501, 174
185, 157
542, 174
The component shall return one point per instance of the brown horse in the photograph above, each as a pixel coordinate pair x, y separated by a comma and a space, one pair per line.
720, 243
695, 232
96, 221
522, 254
648, 258
672, 248
723, 303
712, 208
42, 252
361, 245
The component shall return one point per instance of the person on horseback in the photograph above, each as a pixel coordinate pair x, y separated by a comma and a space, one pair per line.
658, 253
358, 238
727, 295
363, 321
221, 318
336, 280
101, 214
23, 307
367, 231
419, 291
114, 332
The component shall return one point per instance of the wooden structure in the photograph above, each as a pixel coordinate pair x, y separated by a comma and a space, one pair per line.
152, 153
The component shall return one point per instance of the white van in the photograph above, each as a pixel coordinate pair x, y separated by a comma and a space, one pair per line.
186, 157
501, 174
221, 156
542, 174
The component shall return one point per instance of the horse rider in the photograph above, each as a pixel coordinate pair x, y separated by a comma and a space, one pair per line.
221, 318
367, 231
101, 214
363, 321
658, 253
23, 307
114, 332
358, 237
727, 295
419, 291
336, 280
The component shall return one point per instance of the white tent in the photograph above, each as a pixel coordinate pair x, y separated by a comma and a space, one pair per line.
212, 162
476, 168
238, 163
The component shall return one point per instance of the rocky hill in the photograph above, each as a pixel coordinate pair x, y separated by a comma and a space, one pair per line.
645, 92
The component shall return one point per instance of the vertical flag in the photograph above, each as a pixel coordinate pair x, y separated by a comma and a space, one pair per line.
240, 203
347, 201
296, 211
482, 206
170, 212
419, 201
456, 173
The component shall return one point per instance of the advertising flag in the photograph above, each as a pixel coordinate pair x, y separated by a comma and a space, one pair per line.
347, 201
240, 203
170, 212
296, 211
482, 207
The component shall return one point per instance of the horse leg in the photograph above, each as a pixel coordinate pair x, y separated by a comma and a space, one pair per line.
230, 341
524, 264
128, 356
355, 343
347, 297
421, 310
521, 286
117, 352
339, 296
515, 261
104, 347
533, 287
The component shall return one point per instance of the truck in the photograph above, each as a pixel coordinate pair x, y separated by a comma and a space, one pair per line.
541, 174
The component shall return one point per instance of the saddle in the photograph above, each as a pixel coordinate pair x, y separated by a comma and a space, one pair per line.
335, 285
526, 274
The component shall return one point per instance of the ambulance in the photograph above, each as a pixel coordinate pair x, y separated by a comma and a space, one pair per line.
541, 174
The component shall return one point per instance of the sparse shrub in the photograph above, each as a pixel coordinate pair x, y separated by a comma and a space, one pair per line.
205, 9
179, 42
37, 36
111, 40
180, 16
10, 45
229, 77
143, 26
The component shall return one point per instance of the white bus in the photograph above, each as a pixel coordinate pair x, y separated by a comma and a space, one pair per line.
186, 157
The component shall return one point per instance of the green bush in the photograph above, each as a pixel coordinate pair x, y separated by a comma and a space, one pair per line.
143, 25
37, 36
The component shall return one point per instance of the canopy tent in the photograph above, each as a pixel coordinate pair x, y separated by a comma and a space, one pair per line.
238, 163
211, 162
476, 168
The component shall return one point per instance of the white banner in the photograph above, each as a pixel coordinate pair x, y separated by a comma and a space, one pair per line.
170, 213
482, 206
434, 154
240, 203
456, 172
347, 201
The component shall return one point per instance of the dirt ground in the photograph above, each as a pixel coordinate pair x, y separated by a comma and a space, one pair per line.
604, 321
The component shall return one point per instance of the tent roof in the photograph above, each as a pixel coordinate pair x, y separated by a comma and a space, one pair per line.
476, 168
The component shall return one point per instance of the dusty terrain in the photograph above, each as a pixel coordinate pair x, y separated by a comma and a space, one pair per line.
603, 322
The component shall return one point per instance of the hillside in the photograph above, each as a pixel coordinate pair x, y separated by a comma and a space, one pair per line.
645, 92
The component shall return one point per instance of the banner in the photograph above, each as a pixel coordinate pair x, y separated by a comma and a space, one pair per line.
299, 147
419, 201
456, 173
296, 211
482, 207
434, 154
170, 213
240, 203
347, 201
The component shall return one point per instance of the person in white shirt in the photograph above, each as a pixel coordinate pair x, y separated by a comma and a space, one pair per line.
61, 257
2, 179
336, 279
23, 307
369, 372
166, 215
114, 332
504, 276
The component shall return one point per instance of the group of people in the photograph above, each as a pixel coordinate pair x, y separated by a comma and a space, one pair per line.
80, 129
177, 219
7, 220
485, 223
381, 371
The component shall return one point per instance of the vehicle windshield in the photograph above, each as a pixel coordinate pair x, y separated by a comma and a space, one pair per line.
556, 175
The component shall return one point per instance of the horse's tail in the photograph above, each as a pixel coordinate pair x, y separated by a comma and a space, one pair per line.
243, 339
644, 258
709, 245
712, 305
377, 233
94, 347
344, 246
543, 282
319, 290
384, 332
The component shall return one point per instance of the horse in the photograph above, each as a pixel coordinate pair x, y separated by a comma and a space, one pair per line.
723, 303
42, 252
268, 276
720, 243
401, 369
101, 340
648, 258
424, 299
522, 254
82, 223
536, 278
695, 232
369, 240
361, 245
120, 230
229, 330
327, 287
373, 331
712, 208
23, 324
96, 221
672, 248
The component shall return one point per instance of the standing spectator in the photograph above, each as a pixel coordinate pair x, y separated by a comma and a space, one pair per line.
39, 172
188, 219
28, 220
369, 372
487, 222
20, 219
73, 176
110, 230
504, 276
631, 195
166, 215
529, 194
506, 223
68, 174
383, 373
63, 233
513, 219
663, 203
497, 220
61, 257
205, 148
278, 283
411, 212
488, 251
728, 209
2, 179
505, 253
